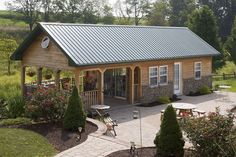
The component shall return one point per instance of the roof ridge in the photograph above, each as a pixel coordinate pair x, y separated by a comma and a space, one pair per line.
103, 25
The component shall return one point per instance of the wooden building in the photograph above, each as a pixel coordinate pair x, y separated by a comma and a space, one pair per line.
135, 63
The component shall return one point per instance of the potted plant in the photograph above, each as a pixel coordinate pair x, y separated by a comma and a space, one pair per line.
47, 74
31, 72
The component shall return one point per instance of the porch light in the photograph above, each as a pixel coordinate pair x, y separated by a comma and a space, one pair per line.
137, 115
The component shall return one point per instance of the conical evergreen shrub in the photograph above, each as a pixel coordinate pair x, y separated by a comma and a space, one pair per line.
75, 116
169, 141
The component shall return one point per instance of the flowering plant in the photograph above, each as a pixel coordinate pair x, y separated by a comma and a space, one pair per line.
46, 103
211, 135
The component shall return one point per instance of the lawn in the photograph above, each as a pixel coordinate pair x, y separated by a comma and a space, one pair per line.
231, 82
23, 143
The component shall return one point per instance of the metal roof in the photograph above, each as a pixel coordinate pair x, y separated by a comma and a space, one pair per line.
103, 44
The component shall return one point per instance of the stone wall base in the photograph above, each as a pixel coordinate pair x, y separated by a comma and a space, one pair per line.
150, 94
192, 85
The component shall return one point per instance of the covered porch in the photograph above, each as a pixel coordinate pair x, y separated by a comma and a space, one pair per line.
120, 84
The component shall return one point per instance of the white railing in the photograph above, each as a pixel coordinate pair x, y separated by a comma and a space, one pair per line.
90, 98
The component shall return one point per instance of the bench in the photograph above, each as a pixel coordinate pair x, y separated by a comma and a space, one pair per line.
111, 124
199, 112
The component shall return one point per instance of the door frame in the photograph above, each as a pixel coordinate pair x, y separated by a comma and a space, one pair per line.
179, 92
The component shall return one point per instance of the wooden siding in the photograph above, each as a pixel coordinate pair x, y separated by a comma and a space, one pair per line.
51, 57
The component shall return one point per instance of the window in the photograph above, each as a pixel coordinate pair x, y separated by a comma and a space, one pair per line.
198, 70
153, 76
163, 74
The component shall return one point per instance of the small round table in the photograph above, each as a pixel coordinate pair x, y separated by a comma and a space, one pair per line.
184, 108
100, 107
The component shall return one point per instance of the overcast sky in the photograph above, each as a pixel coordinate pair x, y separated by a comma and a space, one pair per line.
3, 7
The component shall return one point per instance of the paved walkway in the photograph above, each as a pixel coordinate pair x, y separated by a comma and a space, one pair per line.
128, 129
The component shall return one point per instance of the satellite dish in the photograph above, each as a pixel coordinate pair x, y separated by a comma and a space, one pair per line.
45, 42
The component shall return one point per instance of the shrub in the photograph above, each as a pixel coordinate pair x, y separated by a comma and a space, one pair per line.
204, 90
211, 135
228, 68
16, 121
169, 141
46, 103
164, 100
15, 107
75, 116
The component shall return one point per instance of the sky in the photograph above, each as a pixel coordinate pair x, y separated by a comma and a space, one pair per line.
3, 7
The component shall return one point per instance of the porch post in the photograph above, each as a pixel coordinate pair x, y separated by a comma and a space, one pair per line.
39, 76
101, 87
140, 84
131, 86
57, 78
23, 89
77, 79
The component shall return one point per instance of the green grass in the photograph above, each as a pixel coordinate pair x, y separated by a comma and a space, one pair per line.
15, 121
23, 143
231, 82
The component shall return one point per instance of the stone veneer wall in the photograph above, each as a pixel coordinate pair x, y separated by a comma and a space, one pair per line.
150, 94
193, 85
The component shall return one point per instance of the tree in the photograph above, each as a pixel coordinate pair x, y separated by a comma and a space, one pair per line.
224, 10
47, 7
75, 116
108, 17
169, 141
158, 14
29, 8
132, 10
230, 45
7, 47
203, 23
179, 11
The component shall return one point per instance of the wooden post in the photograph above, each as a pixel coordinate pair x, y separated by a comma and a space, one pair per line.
23, 88
101, 87
77, 79
39, 76
223, 76
57, 78
131, 86
140, 84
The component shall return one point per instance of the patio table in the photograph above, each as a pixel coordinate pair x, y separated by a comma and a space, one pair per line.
184, 108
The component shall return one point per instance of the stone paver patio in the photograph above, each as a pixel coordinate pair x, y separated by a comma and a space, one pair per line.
128, 129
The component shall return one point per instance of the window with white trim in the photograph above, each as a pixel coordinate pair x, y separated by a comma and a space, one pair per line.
198, 70
153, 76
163, 74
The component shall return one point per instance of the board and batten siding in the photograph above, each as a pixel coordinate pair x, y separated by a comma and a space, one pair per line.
51, 57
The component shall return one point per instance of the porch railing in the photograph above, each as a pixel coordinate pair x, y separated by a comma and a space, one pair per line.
90, 98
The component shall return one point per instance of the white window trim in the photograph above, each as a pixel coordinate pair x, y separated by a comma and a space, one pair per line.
195, 63
149, 77
166, 83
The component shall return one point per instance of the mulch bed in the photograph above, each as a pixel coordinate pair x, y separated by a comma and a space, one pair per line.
155, 103
61, 139
146, 152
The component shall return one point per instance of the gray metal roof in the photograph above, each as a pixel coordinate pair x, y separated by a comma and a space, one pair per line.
103, 44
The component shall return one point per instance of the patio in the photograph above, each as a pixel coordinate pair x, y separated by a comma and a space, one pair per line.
128, 128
